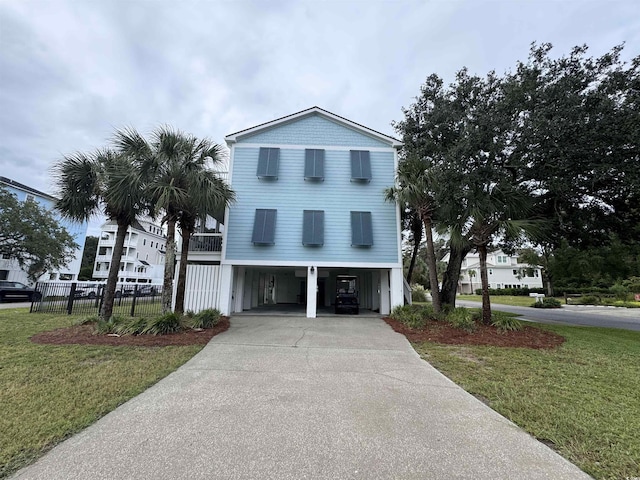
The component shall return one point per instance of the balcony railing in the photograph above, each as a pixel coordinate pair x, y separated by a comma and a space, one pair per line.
205, 242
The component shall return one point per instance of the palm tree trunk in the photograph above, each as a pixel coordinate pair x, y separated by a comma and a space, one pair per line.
431, 263
169, 266
484, 278
452, 274
182, 271
114, 270
416, 229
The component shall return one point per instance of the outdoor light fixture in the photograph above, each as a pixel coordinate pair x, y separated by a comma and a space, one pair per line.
313, 269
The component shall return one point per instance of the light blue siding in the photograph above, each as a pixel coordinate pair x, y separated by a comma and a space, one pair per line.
291, 195
313, 130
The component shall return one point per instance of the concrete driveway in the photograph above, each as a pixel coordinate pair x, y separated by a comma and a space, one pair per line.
294, 398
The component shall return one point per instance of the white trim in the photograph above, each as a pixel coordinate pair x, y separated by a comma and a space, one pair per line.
286, 146
233, 138
223, 253
398, 213
306, 263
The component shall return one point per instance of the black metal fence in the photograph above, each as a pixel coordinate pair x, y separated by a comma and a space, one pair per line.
85, 298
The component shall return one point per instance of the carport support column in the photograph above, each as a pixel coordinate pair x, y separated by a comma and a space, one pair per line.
396, 288
312, 289
384, 292
226, 287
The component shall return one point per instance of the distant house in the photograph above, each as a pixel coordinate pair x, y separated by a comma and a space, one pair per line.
310, 207
9, 268
142, 259
504, 271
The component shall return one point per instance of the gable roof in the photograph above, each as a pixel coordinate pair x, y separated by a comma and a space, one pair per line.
25, 188
234, 137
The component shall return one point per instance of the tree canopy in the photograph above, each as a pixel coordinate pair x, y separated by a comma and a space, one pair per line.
31, 234
548, 151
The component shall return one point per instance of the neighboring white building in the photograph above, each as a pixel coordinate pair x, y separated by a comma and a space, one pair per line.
142, 257
9, 267
504, 271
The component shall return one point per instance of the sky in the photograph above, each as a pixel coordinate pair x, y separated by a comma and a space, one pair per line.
71, 72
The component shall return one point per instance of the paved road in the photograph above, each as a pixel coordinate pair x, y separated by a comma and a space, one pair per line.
625, 318
295, 398
8, 305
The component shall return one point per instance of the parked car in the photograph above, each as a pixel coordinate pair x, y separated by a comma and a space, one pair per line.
142, 291
16, 291
86, 291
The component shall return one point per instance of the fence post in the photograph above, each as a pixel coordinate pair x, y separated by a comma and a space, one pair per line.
133, 302
72, 295
101, 295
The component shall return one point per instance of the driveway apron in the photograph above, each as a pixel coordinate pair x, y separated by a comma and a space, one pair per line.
294, 398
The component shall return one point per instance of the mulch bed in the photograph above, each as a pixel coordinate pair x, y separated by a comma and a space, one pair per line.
84, 335
441, 332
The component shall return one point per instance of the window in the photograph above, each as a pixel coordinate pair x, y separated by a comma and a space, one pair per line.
144, 241
4, 274
313, 228
264, 227
313, 164
268, 162
491, 271
361, 229
30, 198
360, 166
515, 272
503, 259
102, 251
535, 272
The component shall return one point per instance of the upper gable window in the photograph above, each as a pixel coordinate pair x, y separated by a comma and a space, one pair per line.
313, 228
268, 162
313, 164
361, 229
360, 166
264, 227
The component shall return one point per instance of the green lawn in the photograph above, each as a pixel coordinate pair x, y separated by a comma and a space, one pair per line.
582, 398
49, 392
517, 301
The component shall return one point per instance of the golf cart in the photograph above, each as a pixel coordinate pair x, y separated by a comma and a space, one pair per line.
347, 294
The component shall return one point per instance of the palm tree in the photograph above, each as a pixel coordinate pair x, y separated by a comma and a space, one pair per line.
108, 182
181, 188
208, 196
414, 189
472, 273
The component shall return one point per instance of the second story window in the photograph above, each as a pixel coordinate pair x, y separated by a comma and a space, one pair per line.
313, 164
268, 163
360, 166
264, 227
313, 228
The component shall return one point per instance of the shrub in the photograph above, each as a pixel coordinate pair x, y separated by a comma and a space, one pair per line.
548, 303
132, 326
206, 318
167, 323
418, 293
589, 300
408, 315
461, 318
505, 322
88, 320
620, 291
113, 325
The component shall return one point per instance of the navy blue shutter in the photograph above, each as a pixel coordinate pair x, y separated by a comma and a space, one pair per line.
313, 227
264, 227
361, 229
360, 165
268, 162
314, 164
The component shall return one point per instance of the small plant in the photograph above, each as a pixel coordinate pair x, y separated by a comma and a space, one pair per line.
548, 303
88, 320
413, 316
113, 325
418, 293
167, 323
461, 317
189, 314
504, 322
206, 318
132, 326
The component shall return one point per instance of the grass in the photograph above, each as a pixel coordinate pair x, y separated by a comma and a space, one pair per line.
49, 392
582, 398
516, 301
